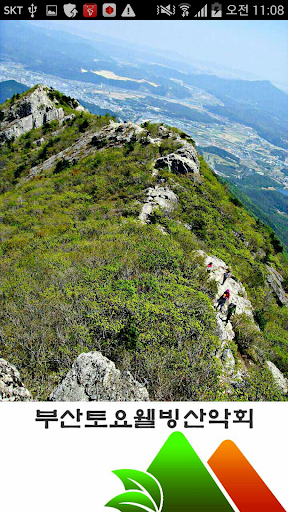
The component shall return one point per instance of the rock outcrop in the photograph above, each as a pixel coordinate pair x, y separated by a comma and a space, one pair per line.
31, 111
228, 361
11, 387
278, 377
183, 161
158, 196
235, 377
275, 280
224, 331
238, 293
116, 134
232, 374
93, 377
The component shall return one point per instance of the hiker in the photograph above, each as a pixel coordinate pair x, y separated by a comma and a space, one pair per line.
209, 266
226, 275
221, 301
231, 311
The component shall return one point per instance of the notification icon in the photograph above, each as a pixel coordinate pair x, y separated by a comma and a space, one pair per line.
109, 10
90, 10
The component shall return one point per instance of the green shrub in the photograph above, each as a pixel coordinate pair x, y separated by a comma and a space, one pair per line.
61, 165
247, 334
259, 386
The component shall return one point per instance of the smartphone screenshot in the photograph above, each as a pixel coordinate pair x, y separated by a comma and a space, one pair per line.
144, 256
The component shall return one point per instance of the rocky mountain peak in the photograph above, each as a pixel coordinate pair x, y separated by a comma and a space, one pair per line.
31, 110
93, 377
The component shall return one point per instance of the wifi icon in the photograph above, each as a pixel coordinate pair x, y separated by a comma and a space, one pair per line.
185, 9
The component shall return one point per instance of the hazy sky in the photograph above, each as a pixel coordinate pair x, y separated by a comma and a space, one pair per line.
258, 47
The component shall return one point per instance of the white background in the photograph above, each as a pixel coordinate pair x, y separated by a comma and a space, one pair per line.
71, 469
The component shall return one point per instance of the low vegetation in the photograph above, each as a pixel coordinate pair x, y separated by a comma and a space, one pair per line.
34, 147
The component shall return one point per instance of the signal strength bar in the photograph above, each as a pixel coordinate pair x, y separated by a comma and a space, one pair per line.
203, 13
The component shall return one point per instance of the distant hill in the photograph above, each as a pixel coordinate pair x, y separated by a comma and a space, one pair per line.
257, 104
218, 151
10, 87
96, 110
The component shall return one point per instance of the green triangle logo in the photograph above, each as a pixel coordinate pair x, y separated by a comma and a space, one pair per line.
186, 483
176, 481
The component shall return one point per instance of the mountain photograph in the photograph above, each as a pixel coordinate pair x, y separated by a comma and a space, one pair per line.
143, 219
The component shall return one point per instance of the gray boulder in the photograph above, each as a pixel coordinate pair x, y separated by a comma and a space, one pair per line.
11, 387
278, 377
228, 361
275, 280
183, 161
224, 331
157, 196
93, 377
116, 134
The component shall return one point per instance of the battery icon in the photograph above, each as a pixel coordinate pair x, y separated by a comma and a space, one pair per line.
216, 10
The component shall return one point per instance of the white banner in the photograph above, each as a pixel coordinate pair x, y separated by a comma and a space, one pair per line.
64, 460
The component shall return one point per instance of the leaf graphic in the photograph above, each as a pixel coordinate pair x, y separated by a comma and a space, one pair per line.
147, 495
132, 501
